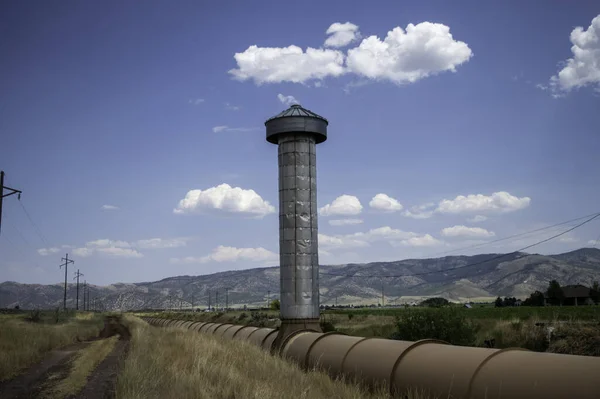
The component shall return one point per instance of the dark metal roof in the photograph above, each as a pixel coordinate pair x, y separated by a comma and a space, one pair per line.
297, 110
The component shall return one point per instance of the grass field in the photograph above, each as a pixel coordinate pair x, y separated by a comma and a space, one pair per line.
570, 330
23, 342
176, 363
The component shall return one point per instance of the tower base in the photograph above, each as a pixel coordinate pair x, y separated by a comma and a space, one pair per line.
291, 326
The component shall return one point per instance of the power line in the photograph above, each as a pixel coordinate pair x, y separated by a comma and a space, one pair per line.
470, 264
515, 235
66, 265
35, 226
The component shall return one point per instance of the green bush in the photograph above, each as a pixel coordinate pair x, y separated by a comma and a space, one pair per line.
445, 324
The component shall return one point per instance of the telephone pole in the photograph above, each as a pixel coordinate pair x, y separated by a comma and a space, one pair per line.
209, 300
382, 296
66, 265
217, 301
226, 299
84, 294
77, 275
192, 301
2, 195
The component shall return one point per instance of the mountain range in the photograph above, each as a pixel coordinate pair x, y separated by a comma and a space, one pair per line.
457, 278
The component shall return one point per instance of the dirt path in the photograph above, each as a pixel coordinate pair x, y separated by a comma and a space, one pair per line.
30, 384
100, 384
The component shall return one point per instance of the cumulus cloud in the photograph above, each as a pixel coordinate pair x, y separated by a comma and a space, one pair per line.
161, 243
225, 128
48, 251
231, 254
195, 101
120, 252
593, 242
568, 239
118, 248
404, 56
583, 68
394, 237
109, 208
424, 211
422, 241
464, 231
345, 222
225, 198
341, 34
287, 64
287, 100
477, 219
500, 202
385, 203
344, 205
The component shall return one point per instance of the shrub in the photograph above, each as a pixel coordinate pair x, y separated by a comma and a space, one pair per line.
35, 316
327, 326
275, 304
446, 324
350, 316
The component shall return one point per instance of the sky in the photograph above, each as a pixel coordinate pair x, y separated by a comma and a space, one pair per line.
136, 131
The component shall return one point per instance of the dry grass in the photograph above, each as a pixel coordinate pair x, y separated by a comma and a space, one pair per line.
83, 365
176, 363
23, 344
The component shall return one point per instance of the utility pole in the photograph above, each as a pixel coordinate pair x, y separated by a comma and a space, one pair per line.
180, 304
77, 275
268, 299
66, 265
84, 294
382, 296
192, 301
209, 300
217, 301
226, 299
2, 195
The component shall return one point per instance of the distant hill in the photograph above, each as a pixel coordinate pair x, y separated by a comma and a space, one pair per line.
516, 274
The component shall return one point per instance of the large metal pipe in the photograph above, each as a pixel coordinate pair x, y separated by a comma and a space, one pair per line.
440, 369
297, 131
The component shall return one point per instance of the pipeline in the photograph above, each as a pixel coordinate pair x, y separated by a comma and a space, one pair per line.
435, 367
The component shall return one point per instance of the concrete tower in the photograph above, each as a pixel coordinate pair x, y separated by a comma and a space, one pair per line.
297, 131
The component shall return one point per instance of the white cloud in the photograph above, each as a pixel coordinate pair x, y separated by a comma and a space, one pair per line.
341, 34
161, 243
340, 242
583, 68
477, 219
593, 242
196, 101
83, 252
394, 237
406, 56
383, 202
225, 128
226, 199
568, 239
104, 243
232, 107
464, 231
344, 222
287, 64
48, 251
120, 252
109, 208
232, 254
287, 100
424, 211
422, 241
500, 202
344, 205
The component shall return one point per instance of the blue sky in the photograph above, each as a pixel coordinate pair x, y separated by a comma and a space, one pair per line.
112, 114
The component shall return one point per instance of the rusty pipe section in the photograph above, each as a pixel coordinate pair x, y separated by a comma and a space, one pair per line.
433, 367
